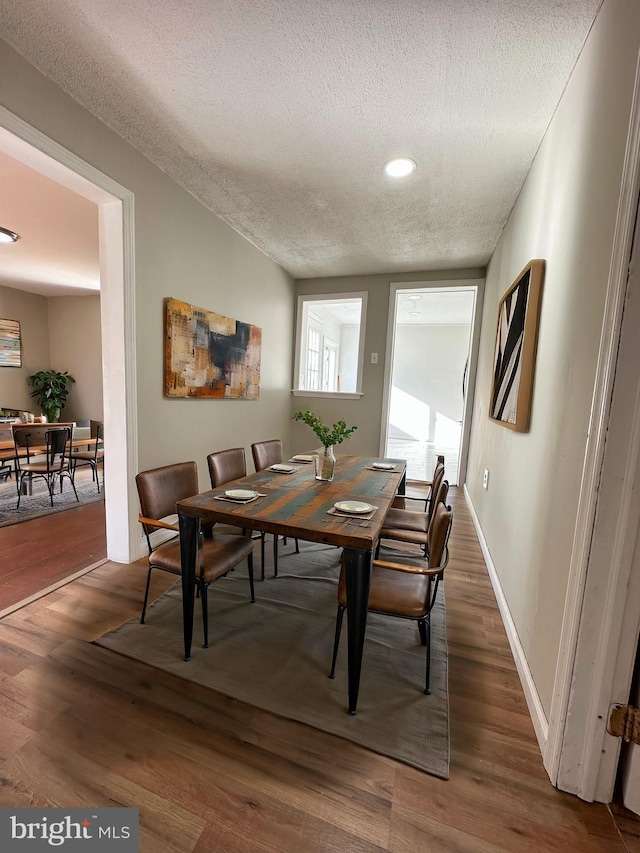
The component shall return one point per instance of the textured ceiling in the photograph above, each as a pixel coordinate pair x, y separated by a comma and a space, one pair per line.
279, 114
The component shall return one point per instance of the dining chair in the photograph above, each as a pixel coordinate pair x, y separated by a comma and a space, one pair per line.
412, 526
423, 494
159, 490
225, 466
93, 456
42, 451
405, 589
265, 454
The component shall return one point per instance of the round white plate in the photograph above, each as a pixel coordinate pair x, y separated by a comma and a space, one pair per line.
282, 469
352, 506
240, 494
384, 466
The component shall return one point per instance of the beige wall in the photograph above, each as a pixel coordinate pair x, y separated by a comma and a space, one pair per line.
365, 412
31, 312
566, 215
181, 250
75, 344
58, 333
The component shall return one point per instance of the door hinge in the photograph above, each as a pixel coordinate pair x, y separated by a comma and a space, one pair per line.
624, 722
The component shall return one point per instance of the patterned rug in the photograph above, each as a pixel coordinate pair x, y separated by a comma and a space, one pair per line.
39, 503
275, 655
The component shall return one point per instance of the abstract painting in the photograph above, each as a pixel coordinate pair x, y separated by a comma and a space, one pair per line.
10, 345
208, 355
515, 350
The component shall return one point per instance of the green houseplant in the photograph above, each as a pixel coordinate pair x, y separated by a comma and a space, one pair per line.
325, 459
50, 388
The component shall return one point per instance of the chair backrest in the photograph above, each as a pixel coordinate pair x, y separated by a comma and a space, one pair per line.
438, 477
51, 440
97, 429
439, 462
58, 441
266, 453
226, 465
160, 489
29, 435
438, 536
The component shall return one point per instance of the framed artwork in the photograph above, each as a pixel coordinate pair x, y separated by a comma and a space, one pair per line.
208, 355
515, 349
10, 344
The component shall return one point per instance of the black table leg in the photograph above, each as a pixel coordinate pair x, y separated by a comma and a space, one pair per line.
357, 566
189, 532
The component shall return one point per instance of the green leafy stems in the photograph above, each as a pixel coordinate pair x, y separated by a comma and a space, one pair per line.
328, 437
50, 387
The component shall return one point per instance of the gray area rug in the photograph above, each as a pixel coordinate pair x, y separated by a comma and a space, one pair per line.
276, 654
38, 504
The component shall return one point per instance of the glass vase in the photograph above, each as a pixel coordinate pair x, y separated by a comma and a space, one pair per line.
325, 463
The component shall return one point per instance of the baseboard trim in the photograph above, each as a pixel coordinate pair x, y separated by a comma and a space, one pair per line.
63, 582
536, 711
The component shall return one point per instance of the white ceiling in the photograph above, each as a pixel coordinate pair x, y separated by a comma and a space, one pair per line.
279, 114
57, 253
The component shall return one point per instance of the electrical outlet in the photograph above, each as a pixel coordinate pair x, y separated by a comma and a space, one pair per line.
485, 479
374, 358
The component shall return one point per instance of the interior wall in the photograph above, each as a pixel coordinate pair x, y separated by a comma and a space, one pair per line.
365, 412
181, 250
417, 348
566, 215
76, 346
31, 312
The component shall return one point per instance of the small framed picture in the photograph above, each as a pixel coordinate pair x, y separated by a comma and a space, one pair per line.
10, 344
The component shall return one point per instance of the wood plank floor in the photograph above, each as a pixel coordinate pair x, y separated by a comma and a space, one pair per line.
39, 553
84, 726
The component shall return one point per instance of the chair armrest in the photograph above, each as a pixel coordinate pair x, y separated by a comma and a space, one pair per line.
402, 567
154, 522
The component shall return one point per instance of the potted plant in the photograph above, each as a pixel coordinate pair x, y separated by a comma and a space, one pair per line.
50, 387
325, 457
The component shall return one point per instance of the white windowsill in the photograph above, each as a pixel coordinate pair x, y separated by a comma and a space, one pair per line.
336, 395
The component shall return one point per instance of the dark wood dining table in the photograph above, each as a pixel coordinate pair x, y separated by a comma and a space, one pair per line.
298, 506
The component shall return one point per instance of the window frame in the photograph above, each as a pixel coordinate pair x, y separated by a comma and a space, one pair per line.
299, 342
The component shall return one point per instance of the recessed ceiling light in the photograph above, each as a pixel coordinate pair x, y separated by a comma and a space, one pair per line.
400, 167
7, 236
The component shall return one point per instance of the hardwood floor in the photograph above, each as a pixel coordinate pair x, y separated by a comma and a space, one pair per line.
84, 726
40, 553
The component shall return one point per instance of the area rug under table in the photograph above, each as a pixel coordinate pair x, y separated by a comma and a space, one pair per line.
276, 654
39, 503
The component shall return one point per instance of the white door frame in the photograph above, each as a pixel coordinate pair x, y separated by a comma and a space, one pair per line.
117, 300
475, 284
602, 609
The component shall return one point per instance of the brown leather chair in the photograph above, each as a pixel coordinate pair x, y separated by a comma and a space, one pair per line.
418, 495
42, 451
265, 454
225, 466
405, 525
406, 589
159, 491
95, 455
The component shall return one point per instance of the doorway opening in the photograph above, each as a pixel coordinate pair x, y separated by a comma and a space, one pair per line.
431, 359
116, 240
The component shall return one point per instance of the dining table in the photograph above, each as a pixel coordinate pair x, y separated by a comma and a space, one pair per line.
293, 503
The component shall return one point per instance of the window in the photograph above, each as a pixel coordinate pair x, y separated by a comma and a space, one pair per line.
330, 345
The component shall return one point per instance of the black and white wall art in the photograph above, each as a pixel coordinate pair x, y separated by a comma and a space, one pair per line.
515, 349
